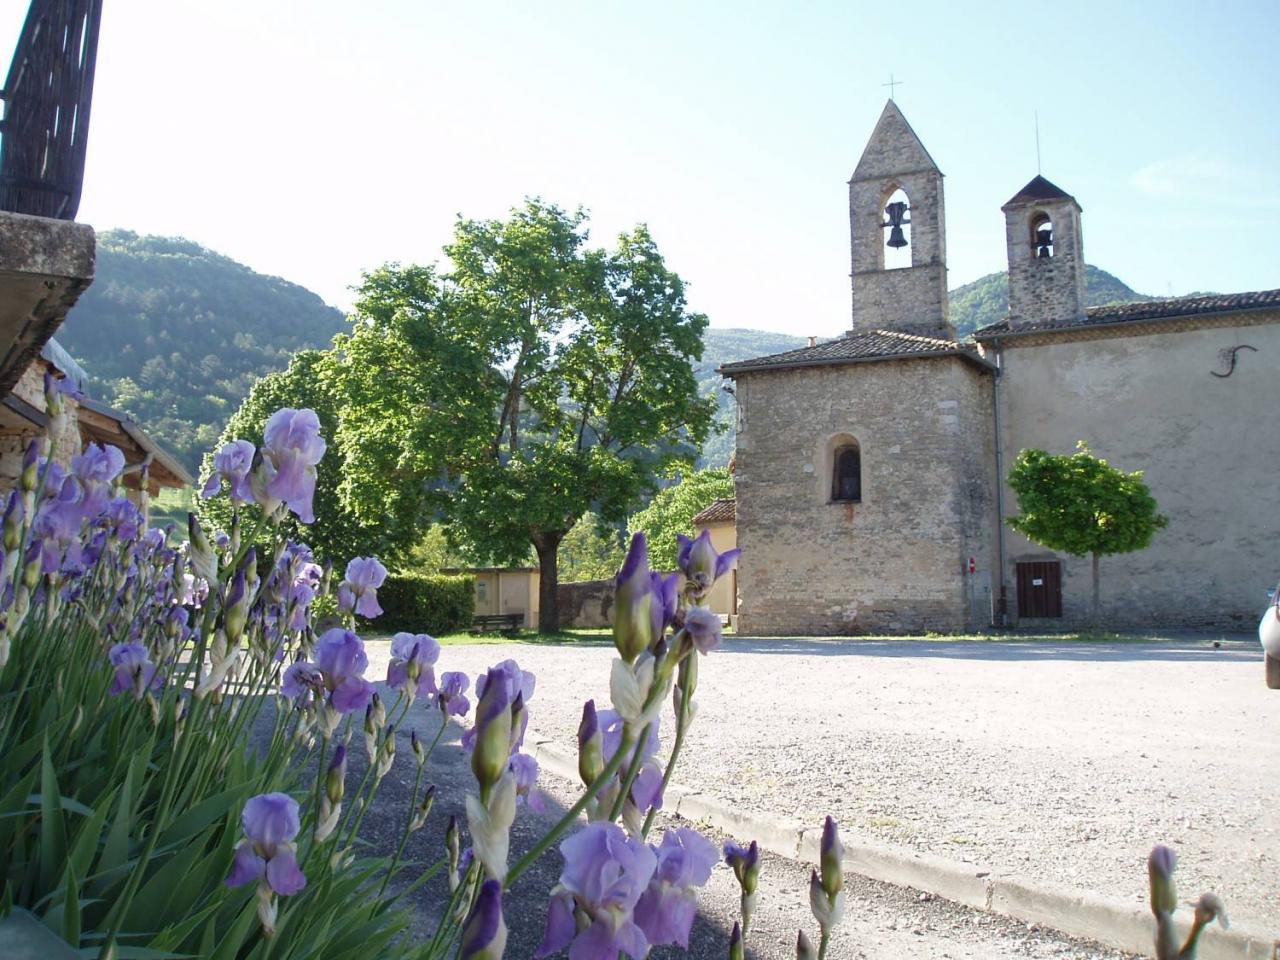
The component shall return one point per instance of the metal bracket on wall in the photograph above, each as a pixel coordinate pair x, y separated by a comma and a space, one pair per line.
1227, 355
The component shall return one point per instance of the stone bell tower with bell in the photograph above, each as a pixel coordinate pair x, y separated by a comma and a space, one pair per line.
898, 234
1046, 255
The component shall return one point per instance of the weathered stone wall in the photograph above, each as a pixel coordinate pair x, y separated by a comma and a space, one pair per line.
896, 561
585, 604
1043, 289
1209, 447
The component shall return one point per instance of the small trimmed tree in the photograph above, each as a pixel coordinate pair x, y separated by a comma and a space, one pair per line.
1080, 504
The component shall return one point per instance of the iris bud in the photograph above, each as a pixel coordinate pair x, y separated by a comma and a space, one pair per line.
493, 732
590, 745
832, 853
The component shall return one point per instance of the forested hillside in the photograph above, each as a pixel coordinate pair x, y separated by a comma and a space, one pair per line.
175, 334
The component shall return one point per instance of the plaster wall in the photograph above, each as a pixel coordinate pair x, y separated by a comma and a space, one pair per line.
1209, 447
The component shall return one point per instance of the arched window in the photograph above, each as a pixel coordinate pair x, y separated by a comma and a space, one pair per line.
1041, 235
897, 230
846, 473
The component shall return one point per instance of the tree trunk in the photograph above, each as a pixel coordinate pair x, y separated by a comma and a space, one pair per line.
547, 544
1095, 617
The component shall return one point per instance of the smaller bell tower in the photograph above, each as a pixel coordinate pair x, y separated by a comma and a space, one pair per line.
1046, 255
898, 234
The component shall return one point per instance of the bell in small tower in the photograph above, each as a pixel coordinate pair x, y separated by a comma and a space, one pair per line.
1044, 241
897, 217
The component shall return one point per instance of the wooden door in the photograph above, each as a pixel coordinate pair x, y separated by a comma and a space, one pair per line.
1040, 589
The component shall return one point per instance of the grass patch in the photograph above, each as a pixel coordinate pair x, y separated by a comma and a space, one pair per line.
587, 638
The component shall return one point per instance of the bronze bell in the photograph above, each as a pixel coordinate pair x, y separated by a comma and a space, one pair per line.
1044, 242
897, 217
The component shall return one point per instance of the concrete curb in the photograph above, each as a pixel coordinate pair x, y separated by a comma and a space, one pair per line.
1077, 912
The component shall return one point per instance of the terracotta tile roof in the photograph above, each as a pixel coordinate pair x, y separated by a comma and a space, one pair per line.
1144, 311
720, 511
869, 345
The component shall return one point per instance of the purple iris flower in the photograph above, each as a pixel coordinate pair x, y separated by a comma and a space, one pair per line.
701, 564
704, 629
515, 680
744, 861
451, 696
96, 469
666, 909
291, 441
300, 679
605, 874
359, 591
644, 602
300, 596
525, 769
341, 659
270, 824
134, 669
413, 653
231, 466
123, 516
646, 788
484, 935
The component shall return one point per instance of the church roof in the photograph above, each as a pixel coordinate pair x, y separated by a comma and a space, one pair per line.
860, 347
720, 511
1038, 190
1144, 311
893, 148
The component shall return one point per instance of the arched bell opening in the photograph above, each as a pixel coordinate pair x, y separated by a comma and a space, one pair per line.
898, 252
1042, 236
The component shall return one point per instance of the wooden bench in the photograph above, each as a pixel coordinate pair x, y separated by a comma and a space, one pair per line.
505, 622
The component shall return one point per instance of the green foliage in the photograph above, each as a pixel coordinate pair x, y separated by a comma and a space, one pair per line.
673, 509
591, 550
176, 334
432, 553
338, 533
426, 604
117, 814
986, 300
1081, 505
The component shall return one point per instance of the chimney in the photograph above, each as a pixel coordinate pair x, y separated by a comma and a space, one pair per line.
813, 341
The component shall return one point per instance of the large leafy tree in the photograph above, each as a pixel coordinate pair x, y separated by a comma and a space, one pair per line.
596, 396
1082, 505
539, 379
673, 509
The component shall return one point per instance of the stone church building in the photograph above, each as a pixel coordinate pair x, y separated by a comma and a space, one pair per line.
869, 492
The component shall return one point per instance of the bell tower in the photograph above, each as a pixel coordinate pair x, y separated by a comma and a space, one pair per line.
1046, 255
898, 235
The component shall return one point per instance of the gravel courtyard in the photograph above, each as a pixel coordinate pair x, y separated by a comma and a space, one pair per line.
1064, 761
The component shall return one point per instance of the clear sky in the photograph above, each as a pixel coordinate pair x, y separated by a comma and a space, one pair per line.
316, 139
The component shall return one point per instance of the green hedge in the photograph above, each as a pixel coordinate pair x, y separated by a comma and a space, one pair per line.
426, 604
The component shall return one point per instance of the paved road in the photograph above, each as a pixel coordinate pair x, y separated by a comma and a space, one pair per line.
882, 922
1064, 761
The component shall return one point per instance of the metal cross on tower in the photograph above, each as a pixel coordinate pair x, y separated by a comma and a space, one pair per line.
891, 84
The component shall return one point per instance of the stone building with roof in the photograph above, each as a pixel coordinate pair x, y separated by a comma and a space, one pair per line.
869, 481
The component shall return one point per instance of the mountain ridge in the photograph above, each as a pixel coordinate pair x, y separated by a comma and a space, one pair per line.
175, 333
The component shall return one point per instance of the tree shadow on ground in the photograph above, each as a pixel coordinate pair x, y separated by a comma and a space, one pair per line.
1234, 651
450, 771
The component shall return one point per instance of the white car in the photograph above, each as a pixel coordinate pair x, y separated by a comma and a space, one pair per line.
1269, 635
